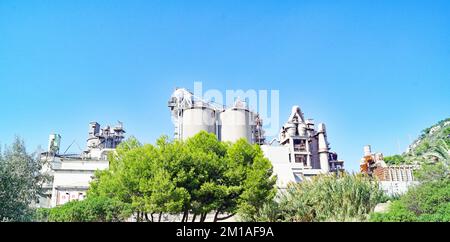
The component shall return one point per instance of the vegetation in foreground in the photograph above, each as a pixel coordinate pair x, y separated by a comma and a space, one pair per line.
99, 209
20, 182
343, 197
429, 202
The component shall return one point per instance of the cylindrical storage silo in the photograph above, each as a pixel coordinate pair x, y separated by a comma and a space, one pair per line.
196, 119
235, 123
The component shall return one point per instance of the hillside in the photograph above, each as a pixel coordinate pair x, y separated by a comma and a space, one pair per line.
432, 145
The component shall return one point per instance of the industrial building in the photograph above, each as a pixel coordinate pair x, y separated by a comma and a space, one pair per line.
393, 179
71, 173
300, 151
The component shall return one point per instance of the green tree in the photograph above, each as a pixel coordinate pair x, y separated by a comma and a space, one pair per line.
198, 176
255, 172
20, 182
437, 167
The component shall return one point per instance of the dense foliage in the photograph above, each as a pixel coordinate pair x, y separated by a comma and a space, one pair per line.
429, 202
346, 197
394, 160
432, 146
198, 177
92, 209
20, 182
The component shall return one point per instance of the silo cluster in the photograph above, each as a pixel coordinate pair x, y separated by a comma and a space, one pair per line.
192, 115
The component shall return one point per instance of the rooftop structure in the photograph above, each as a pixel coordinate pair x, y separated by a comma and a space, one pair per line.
71, 173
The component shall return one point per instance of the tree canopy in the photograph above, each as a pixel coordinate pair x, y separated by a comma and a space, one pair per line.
20, 182
199, 176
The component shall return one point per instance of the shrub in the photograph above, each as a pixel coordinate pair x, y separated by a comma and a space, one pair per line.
429, 202
347, 197
92, 209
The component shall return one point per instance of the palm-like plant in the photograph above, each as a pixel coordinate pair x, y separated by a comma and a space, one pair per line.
439, 152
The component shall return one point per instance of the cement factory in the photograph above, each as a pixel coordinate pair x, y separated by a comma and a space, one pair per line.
299, 152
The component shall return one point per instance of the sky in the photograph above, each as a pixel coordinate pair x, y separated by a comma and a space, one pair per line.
375, 72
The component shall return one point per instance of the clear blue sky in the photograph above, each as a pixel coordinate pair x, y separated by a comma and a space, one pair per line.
376, 72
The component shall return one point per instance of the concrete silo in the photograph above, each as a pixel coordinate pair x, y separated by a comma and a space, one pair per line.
196, 119
191, 115
235, 123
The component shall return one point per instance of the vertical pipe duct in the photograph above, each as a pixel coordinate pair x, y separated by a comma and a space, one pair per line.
323, 148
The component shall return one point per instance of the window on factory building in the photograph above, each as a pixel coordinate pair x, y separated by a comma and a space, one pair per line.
300, 159
299, 145
332, 156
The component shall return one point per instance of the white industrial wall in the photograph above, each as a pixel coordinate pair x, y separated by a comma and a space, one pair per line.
279, 157
90, 165
396, 187
73, 177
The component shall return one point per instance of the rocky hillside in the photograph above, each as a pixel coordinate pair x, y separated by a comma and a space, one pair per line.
433, 145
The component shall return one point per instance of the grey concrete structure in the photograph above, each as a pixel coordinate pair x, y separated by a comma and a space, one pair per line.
302, 151
71, 173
